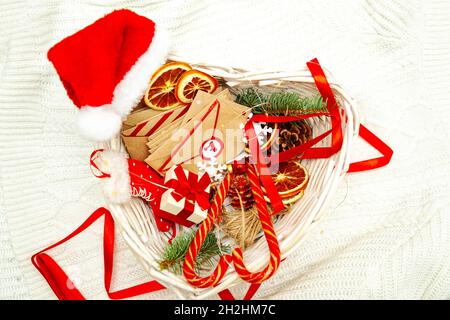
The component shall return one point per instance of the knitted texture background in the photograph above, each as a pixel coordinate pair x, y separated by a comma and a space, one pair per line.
385, 235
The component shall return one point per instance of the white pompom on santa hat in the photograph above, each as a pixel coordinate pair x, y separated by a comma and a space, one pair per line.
106, 67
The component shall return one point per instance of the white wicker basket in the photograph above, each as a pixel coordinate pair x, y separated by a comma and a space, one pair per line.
137, 222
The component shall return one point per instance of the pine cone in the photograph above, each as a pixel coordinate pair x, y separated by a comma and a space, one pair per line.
240, 191
293, 134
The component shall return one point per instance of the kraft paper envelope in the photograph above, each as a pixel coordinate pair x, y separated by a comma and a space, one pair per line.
138, 116
155, 140
201, 99
140, 113
136, 147
146, 122
217, 128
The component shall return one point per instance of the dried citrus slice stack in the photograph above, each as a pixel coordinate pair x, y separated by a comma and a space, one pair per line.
192, 81
160, 94
290, 181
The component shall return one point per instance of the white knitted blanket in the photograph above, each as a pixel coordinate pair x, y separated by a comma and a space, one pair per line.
385, 235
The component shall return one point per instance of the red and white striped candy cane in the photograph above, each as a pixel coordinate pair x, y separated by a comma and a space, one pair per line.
269, 233
237, 256
194, 248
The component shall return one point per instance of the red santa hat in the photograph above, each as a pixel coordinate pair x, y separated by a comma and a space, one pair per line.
106, 67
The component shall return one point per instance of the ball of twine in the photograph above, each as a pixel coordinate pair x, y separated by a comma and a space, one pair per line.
241, 225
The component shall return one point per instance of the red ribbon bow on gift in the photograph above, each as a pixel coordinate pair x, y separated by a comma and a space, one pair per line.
188, 185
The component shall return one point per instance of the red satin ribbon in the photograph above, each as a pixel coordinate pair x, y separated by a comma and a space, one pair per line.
299, 151
327, 94
94, 165
378, 144
262, 167
65, 289
191, 188
60, 282
303, 151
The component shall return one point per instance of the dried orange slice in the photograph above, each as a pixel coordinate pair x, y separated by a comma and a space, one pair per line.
289, 200
192, 81
293, 199
291, 179
160, 94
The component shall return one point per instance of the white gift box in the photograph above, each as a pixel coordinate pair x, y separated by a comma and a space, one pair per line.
170, 205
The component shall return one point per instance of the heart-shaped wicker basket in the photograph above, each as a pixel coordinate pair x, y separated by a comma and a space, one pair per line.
137, 223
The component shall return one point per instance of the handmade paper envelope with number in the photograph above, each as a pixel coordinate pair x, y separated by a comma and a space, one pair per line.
201, 100
144, 123
214, 134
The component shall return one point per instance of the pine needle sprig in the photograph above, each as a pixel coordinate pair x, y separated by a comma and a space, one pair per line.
280, 103
175, 253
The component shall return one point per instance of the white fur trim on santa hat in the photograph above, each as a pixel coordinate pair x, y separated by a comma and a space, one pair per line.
103, 122
117, 188
131, 89
98, 123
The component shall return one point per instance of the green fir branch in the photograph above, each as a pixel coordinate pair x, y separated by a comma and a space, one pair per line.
280, 103
175, 253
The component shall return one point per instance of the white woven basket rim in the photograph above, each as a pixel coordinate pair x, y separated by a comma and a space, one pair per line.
137, 223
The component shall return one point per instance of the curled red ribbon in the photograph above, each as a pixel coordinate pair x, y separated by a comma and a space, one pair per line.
65, 289
92, 158
379, 145
303, 151
59, 281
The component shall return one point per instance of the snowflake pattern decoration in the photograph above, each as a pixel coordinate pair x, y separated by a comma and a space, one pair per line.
262, 131
214, 169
